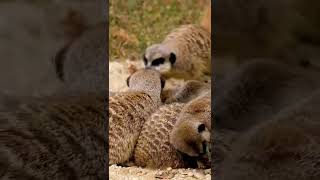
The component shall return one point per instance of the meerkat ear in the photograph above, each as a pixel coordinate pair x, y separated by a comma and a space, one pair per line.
128, 80
163, 82
172, 58
201, 128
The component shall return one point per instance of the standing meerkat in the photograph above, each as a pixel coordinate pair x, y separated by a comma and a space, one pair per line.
191, 133
129, 110
185, 53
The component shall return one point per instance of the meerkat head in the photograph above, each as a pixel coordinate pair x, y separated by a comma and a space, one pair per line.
190, 137
146, 80
159, 57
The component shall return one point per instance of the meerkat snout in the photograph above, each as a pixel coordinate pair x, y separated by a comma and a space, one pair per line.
159, 58
191, 138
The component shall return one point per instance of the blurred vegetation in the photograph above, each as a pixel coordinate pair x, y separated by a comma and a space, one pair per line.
136, 24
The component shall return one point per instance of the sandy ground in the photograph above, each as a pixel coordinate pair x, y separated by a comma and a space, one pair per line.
137, 173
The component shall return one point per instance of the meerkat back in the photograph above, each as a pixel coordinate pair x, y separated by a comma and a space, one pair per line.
59, 137
260, 88
185, 53
286, 147
153, 149
129, 110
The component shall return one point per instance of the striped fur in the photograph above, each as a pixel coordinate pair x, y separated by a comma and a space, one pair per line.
53, 138
153, 149
127, 113
191, 45
129, 110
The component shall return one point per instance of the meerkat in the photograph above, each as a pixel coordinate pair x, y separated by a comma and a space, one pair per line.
129, 110
153, 149
187, 92
283, 147
81, 65
191, 133
185, 53
56, 137
259, 88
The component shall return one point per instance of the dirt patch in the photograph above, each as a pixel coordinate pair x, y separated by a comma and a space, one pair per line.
137, 173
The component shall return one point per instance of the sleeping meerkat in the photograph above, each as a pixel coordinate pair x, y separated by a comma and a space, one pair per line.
129, 110
191, 133
285, 147
153, 149
56, 137
185, 53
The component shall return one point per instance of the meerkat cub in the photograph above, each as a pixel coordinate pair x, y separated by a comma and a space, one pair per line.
191, 133
129, 110
185, 53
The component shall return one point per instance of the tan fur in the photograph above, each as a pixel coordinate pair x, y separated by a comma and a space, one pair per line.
285, 147
185, 136
153, 149
188, 91
129, 110
206, 19
191, 45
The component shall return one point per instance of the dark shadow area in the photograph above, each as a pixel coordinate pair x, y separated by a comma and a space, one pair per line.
266, 94
53, 89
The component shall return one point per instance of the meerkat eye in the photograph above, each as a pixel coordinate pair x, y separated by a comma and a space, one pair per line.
158, 61
172, 58
145, 60
201, 128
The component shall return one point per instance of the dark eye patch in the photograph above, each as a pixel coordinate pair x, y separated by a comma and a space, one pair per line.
158, 61
201, 128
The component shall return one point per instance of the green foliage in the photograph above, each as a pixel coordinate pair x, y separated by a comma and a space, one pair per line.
136, 24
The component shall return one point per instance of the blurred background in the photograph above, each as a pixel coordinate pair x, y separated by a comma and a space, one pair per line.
136, 24
31, 34
286, 30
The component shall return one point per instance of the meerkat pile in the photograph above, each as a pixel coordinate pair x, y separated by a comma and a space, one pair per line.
151, 132
129, 110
